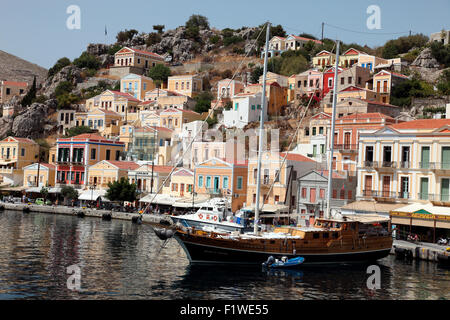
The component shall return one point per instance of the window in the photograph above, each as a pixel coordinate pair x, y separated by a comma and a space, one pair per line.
342, 80
322, 194
93, 151
314, 131
225, 182
330, 82
208, 182
303, 193
239, 182
117, 155
200, 181
320, 130
350, 80
22, 152
108, 154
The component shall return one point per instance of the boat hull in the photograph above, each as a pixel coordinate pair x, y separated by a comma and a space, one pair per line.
201, 253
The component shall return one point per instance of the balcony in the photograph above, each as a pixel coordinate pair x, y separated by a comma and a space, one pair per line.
439, 199
404, 165
7, 170
266, 182
369, 164
385, 165
64, 161
386, 196
346, 148
215, 192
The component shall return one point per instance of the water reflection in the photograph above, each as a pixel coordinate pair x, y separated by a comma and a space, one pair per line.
121, 260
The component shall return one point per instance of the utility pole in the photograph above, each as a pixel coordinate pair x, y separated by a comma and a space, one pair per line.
323, 24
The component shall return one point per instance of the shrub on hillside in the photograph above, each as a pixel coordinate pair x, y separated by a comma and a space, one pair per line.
88, 61
61, 63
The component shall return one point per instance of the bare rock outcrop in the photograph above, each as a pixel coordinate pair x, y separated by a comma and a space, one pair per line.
69, 73
32, 122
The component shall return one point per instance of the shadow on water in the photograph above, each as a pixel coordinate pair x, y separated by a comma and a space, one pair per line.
347, 281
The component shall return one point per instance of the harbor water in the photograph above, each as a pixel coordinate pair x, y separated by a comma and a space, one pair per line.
121, 260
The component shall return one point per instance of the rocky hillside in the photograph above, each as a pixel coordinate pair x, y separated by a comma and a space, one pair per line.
16, 69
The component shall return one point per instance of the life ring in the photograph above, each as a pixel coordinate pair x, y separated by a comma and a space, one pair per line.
200, 216
215, 218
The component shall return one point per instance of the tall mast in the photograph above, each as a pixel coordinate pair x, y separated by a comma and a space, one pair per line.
333, 118
261, 130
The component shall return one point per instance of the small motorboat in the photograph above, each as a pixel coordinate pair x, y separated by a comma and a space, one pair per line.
273, 263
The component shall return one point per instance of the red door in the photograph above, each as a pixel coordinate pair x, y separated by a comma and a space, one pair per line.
182, 189
386, 185
312, 195
368, 186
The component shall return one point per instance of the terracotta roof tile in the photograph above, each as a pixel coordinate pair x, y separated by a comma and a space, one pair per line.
296, 157
422, 124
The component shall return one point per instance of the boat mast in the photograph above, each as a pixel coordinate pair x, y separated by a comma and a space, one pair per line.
333, 118
261, 130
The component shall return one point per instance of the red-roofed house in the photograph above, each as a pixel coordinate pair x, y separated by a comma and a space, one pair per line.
119, 102
76, 154
9, 89
129, 60
219, 178
105, 171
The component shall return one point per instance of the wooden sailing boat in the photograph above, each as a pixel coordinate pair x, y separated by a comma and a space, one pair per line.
348, 239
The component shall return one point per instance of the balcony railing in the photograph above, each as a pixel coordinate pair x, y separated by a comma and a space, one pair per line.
423, 196
393, 195
385, 165
439, 197
404, 164
369, 164
7, 170
216, 192
346, 147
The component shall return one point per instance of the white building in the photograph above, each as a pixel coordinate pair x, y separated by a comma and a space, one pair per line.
246, 109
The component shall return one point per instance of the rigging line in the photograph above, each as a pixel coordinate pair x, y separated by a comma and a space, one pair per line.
365, 32
289, 147
210, 112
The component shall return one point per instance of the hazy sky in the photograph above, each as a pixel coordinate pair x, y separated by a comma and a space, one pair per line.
36, 30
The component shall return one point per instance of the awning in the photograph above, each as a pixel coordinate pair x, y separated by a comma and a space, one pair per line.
369, 207
54, 190
367, 218
91, 194
34, 189
19, 188
276, 208
186, 202
163, 199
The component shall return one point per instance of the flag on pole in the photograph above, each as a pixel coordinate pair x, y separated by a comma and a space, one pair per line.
106, 31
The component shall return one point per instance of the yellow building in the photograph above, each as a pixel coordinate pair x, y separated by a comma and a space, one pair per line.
358, 93
136, 85
181, 184
188, 85
122, 103
175, 118
277, 96
136, 58
46, 175
16, 153
324, 59
105, 171
107, 122
408, 162
383, 82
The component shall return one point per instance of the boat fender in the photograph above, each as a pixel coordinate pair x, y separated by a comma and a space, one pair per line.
107, 216
80, 214
2, 208
215, 218
200, 216
26, 209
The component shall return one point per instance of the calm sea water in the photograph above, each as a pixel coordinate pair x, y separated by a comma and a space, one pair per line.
121, 260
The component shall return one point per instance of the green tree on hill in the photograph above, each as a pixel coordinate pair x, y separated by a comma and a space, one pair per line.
29, 98
61, 63
203, 102
159, 72
74, 131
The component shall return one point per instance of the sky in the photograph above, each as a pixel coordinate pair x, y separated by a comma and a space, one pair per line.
36, 30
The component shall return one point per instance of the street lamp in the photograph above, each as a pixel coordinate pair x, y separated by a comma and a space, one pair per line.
92, 187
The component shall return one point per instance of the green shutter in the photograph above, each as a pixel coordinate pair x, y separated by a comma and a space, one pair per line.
445, 159
425, 158
444, 189
424, 189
